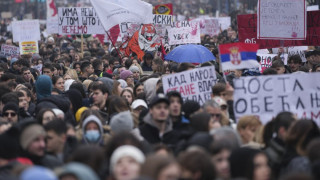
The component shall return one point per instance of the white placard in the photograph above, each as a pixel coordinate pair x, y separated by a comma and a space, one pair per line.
209, 26
266, 96
194, 84
300, 50
27, 30
78, 20
162, 19
184, 32
282, 19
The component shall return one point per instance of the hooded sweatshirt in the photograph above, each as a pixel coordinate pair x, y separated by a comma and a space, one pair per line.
92, 118
150, 88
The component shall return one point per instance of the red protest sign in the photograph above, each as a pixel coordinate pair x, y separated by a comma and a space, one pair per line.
247, 29
165, 9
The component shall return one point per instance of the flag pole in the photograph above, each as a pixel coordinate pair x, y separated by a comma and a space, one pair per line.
82, 44
114, 46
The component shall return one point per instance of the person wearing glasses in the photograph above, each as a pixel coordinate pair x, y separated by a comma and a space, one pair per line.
10, 112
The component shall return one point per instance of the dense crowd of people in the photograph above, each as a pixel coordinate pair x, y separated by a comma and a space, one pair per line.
98, 114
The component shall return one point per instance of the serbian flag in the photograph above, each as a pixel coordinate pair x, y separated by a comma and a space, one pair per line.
238, 56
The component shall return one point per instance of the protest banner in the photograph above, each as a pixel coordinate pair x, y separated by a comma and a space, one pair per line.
113, 12
184, 32
127, 29
162, 19
77, 20
313, 8
10, 51
27, 47
300, 50
224, 22
27, 30
163, 9
194, 84
282, 19
247, 30
266, 96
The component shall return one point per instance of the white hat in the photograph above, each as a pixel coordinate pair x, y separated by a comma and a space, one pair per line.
138, 102
67, 84
126, 151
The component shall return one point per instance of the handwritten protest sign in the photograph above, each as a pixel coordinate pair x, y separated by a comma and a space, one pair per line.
282, 19
127, 29
300, 50
184, 32
194, 84
28, 47
78, 20
10, 51
162, 19
209, 26
224, 22
266, 61
52, 25
247, 30
266, 96
27, 30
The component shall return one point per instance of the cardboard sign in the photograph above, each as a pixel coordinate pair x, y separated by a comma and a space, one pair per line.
27, 30
28, 47
300, 50
184, 32
10, 51
282, 19
247, 30
75, 20
266, 96
194, 84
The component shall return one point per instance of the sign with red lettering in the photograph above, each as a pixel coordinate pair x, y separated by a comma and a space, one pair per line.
79, 20
282, 19
194, 84
266, 96
184, 32
247, 29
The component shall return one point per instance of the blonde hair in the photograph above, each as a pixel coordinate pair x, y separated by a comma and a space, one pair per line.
245, 121
87, 83
72, 73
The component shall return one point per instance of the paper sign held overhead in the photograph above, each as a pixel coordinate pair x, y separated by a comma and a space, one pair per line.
194, 84
184, 32
75, 20
27, 30
282, 19
29, 47
10, 51
266, 96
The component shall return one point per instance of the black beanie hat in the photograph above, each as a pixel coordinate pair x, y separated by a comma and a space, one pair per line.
190, 107
9, 144
11, 106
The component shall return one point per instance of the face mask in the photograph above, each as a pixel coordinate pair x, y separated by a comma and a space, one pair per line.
92, 135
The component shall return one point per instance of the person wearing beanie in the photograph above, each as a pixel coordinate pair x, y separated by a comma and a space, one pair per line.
122, 121
43, 86
10, 112
33, 145
125, 162
92, 130
128, 77
78, 170
136, 72
38, 172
